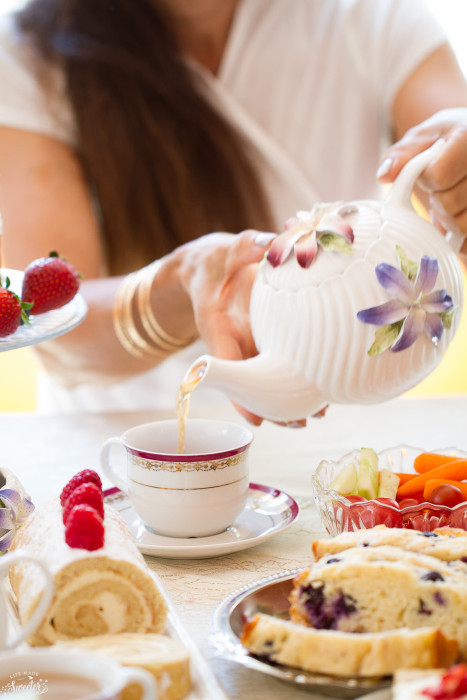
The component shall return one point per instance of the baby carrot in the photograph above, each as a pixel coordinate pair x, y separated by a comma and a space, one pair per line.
404, 478
430, 460
452, 470
431, 484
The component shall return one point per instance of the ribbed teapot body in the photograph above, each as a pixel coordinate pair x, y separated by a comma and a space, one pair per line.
307, 317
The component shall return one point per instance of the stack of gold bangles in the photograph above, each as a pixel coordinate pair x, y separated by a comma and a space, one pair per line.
135, 291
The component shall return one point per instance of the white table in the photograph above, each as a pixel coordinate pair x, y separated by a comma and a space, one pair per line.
45, 451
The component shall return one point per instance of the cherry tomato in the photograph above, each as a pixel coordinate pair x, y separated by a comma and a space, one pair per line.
388, 501
446, 495
407, 502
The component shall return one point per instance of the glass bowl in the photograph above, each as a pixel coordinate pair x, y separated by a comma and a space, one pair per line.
338, 514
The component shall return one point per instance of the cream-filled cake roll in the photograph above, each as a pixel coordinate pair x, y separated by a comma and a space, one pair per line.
165, 658
107, 590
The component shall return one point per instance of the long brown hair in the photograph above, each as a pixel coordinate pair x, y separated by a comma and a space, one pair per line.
164, 166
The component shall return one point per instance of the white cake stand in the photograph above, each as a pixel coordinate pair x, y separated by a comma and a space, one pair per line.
43, 326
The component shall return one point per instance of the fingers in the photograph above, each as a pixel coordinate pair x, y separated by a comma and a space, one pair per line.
450, 124
456, 221
445, 178
300, 423
446, 182
450, 168
400, 154
250, 417
257, 420
247, 247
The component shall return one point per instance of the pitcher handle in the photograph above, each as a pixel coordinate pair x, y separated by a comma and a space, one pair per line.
401, 191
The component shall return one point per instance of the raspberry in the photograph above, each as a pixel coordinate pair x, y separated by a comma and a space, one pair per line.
80, 478
87, 493
84, 528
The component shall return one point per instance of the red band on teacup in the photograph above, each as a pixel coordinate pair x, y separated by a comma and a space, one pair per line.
178, 458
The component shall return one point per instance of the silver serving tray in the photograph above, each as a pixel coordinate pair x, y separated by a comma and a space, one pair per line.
270, 595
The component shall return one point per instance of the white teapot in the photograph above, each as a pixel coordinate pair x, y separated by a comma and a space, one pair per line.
368, 319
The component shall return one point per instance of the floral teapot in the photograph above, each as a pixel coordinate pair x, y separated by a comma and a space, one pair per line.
355, 303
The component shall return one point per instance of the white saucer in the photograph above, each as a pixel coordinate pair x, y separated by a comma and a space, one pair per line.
267, 512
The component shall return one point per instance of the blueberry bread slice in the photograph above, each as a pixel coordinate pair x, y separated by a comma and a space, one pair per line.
331, 652
448, 544
373, 589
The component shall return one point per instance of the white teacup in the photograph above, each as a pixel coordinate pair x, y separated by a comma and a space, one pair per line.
69, 674
194, 494
9, 641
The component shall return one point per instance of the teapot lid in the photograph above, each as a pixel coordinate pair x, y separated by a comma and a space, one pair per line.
322, 243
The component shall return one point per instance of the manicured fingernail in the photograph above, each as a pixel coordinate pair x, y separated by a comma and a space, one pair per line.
256, 421
264, 239
384, 168
296, 424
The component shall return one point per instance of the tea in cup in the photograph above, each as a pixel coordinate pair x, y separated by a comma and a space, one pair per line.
194, 494
61, 674
8, 560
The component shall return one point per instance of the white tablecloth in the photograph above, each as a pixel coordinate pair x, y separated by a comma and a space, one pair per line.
45, 451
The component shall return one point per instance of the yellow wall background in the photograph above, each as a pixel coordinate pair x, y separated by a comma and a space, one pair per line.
18, 376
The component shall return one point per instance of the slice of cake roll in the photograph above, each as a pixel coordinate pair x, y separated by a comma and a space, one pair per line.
372, 589
166, 658
446, 543
107, 590
344, 654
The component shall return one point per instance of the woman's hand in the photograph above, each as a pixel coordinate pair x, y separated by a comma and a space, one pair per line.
217, 272
443, 184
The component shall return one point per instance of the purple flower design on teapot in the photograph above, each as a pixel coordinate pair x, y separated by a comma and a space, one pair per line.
415, 306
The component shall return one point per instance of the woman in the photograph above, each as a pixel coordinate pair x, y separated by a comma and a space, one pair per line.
129, 131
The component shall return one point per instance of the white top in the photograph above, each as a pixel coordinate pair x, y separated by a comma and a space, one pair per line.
310, 82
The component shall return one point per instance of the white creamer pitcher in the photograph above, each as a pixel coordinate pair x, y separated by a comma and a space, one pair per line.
315, 343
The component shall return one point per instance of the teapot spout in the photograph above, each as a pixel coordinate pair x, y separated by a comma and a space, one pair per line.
264, 385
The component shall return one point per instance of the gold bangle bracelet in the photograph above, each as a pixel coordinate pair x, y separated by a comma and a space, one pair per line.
124, 325
154, 330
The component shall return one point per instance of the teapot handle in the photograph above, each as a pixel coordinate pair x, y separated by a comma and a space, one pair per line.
401, 191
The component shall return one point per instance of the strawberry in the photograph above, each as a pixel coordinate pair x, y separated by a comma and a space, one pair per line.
12, 310
87, 493
452, 685
49, 283
84, 528
83, 477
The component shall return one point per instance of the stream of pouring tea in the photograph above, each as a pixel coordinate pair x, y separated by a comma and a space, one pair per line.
188, 385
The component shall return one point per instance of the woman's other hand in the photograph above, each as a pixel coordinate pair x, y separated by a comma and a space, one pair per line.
443, 184
432, 104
